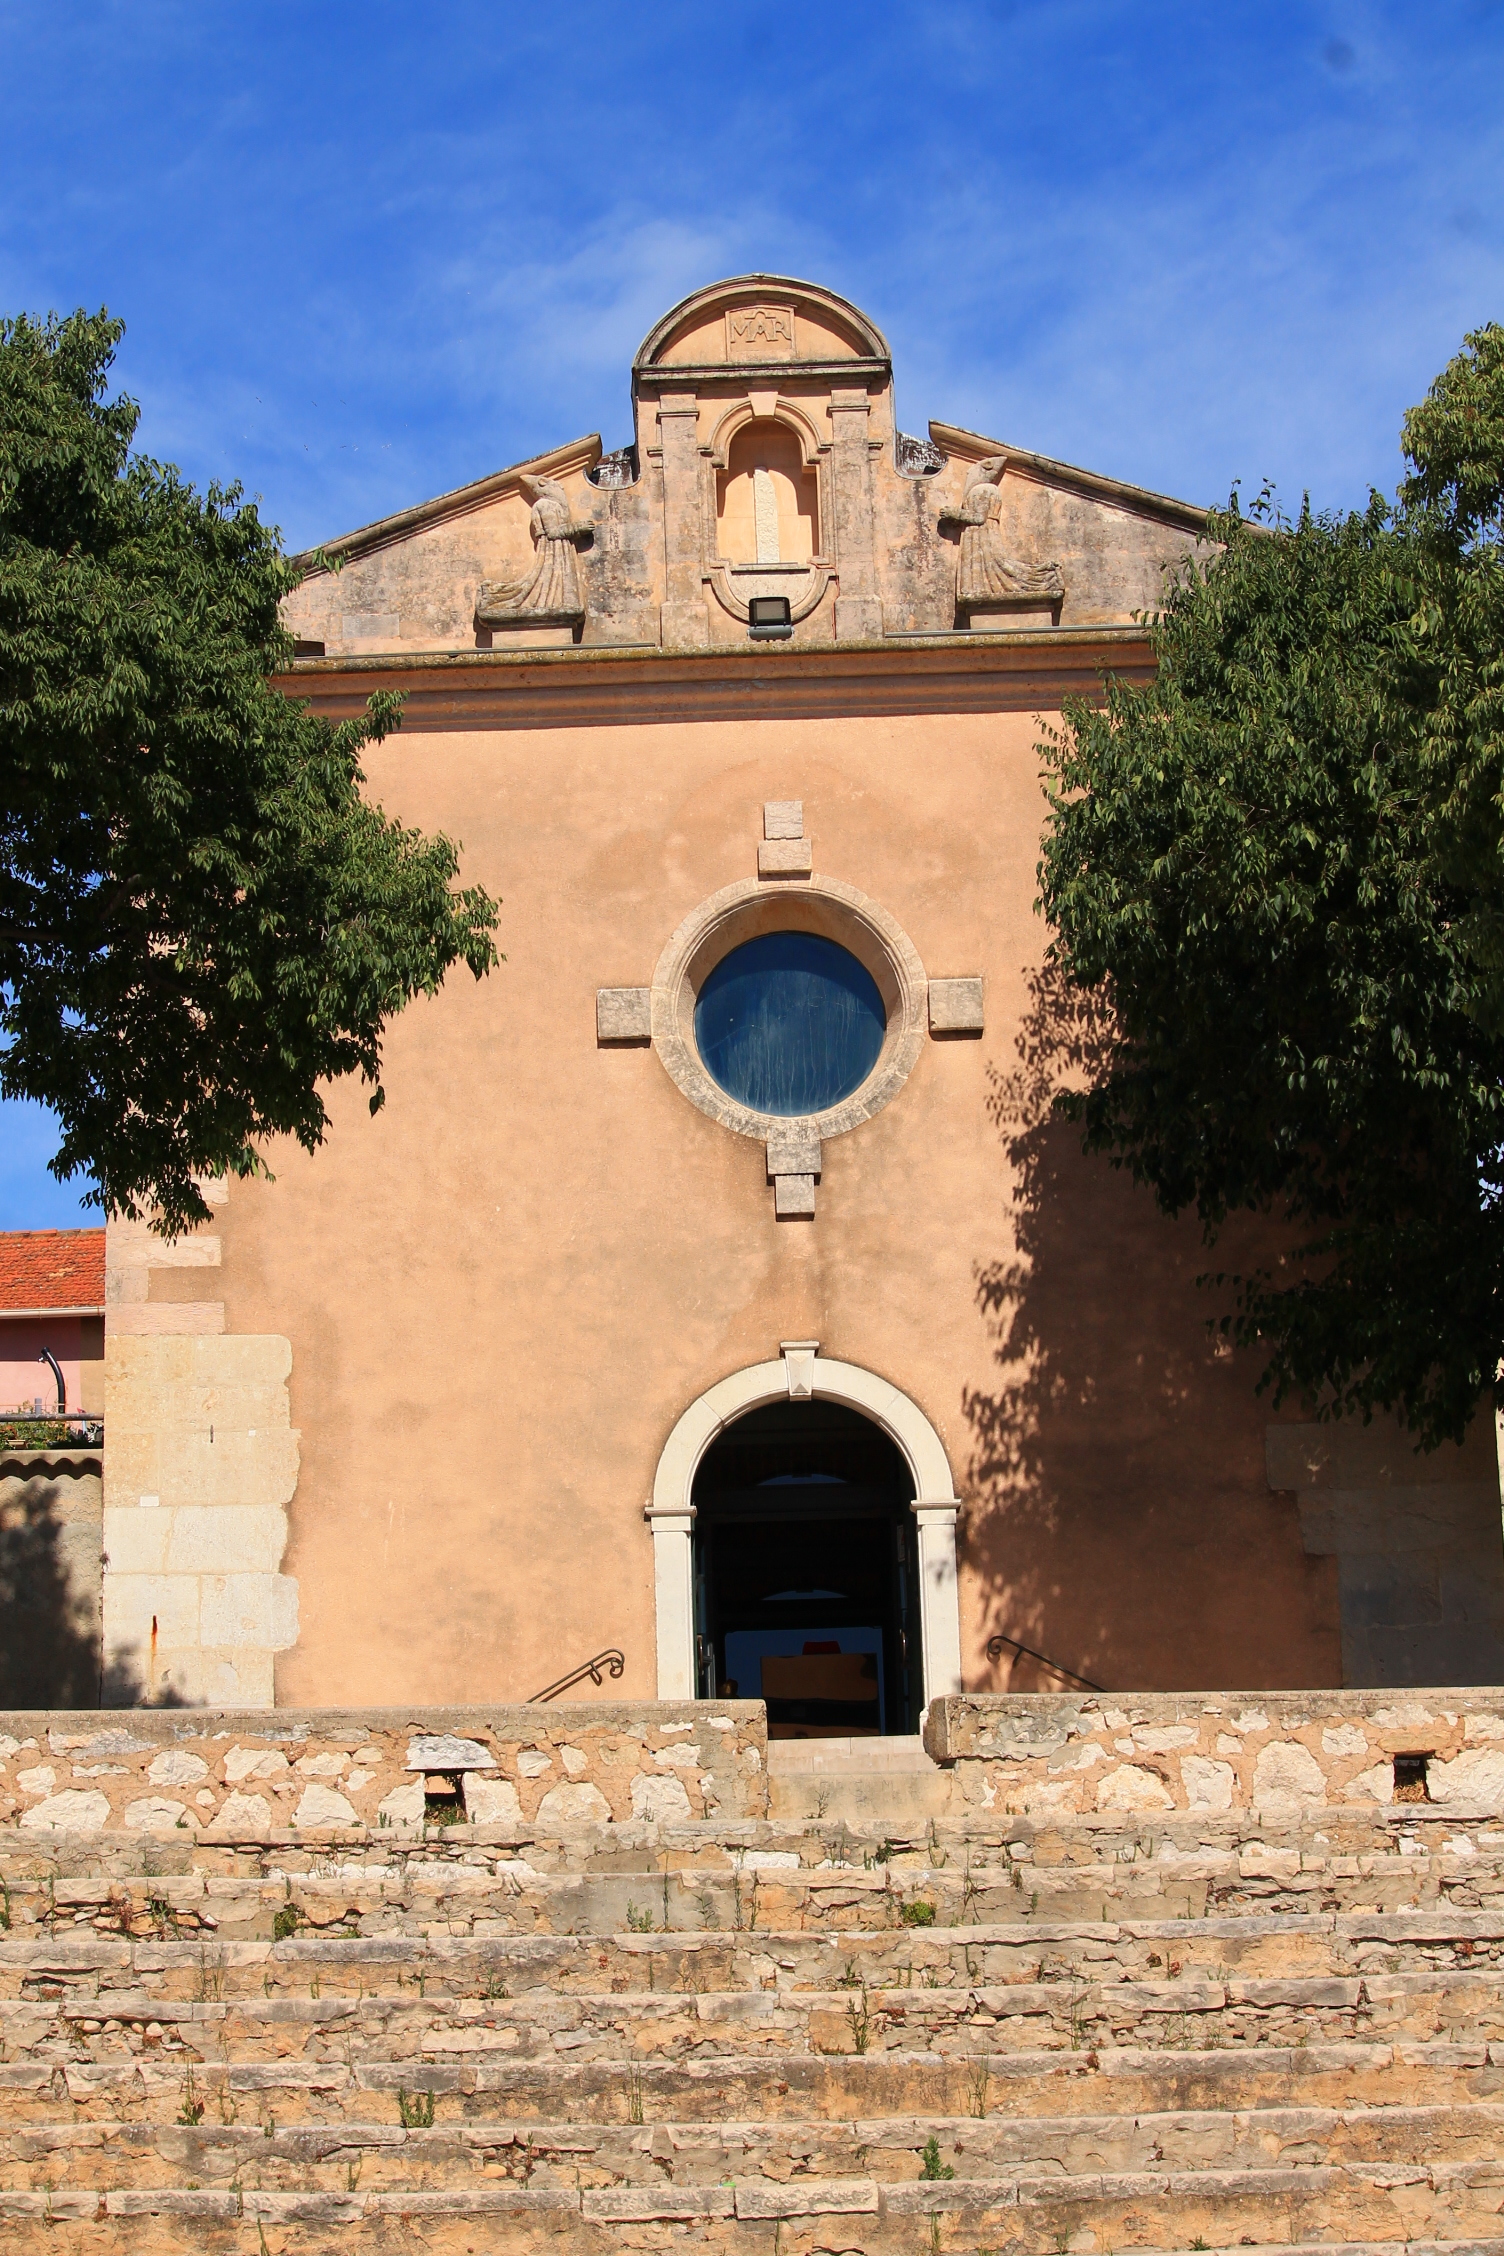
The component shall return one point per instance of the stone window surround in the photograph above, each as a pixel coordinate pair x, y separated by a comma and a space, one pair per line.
823, 905
801, 1374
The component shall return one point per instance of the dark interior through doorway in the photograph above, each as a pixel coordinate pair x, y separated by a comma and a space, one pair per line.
806, 1573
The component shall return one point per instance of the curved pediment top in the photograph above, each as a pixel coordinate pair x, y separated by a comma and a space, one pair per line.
760, 321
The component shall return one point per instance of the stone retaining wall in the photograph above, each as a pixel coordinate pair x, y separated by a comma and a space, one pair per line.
247, 1775
1044, 1754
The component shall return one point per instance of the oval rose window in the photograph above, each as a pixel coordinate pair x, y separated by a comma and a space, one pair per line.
789, 1023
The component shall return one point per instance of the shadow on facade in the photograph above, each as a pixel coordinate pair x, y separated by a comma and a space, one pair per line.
50, 1646
1120, 1520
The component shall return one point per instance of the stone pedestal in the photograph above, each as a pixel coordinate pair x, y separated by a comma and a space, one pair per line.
527, 637
1012, 618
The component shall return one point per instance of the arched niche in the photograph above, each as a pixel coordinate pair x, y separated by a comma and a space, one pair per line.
801, 1373
767, 501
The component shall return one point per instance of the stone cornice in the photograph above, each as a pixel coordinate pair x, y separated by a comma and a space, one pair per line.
579, 454
970, 446
590, 687
762, 375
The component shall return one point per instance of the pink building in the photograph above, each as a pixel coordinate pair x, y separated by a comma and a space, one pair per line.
51, 1303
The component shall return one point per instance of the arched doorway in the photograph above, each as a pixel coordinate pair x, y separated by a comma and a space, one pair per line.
802, 1375
806, 1572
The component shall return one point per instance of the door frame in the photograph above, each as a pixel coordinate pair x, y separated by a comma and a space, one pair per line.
802, 1374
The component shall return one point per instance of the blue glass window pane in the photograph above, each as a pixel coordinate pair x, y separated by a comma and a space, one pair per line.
789, 1023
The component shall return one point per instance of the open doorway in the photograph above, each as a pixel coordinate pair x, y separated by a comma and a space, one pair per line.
806, 1573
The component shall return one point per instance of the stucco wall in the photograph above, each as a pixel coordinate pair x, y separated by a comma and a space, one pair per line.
502, 1291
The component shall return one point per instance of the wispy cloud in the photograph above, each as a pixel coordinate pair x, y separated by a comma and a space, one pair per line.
367, 252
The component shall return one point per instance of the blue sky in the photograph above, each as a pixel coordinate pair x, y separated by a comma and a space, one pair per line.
367, 253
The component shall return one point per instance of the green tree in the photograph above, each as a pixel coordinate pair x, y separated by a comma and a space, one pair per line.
1281, 862
203, 921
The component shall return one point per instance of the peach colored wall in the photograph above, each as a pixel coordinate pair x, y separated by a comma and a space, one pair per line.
503, 1290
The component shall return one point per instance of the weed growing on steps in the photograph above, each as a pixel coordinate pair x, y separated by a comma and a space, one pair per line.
861, 2022
977, 2081
930, 2164
5, 1906
284, 1922
917, 1913
192, 2109
639, 1922
416, 2111
634, 2095
352, 2173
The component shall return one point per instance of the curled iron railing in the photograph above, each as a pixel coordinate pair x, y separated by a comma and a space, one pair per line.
611, 1662
995, 1649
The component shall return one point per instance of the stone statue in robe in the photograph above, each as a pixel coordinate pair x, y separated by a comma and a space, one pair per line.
548, 595
986, 575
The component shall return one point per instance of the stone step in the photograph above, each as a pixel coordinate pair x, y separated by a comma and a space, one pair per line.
380, 2155
929, 1956
501, 1891
888, 1782
1067, 2012
1323, 1834
1450, 2204
160, 2082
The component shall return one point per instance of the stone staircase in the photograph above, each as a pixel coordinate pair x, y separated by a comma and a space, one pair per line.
785, 2030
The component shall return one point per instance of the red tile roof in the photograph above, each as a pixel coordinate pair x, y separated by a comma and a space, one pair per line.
51, 1269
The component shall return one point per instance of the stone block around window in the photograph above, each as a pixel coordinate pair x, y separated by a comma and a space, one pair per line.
955, 1006
623, 1015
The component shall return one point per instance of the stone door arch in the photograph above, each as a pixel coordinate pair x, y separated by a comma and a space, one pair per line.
802, 1374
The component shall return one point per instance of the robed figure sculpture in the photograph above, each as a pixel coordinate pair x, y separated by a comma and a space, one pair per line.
986, 575
549, 595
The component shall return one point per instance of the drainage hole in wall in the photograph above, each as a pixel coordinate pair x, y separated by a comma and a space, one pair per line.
443, 1798
1410, 1778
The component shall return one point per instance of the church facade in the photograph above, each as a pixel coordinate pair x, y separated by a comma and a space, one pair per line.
716, 1299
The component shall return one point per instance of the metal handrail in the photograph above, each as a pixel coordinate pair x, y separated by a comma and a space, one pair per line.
995, 1646
611, 1661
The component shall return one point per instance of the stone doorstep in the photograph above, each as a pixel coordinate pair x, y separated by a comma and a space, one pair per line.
862, 1758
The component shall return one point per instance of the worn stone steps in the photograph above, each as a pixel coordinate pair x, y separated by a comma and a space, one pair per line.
503, 1891
1385, 2205
1174, 2030
157, 2084
1341, 1944
1072, 2011
382, 2155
